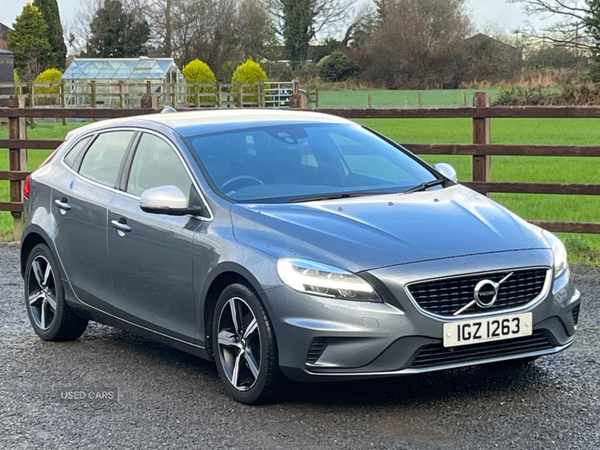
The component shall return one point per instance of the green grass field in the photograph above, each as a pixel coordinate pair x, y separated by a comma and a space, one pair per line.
398, 99
583, 248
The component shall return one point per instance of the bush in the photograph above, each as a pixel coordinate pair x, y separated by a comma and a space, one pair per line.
17, 80
338, 67
249, 73
197, 71
48, 76
569, 95
594, 74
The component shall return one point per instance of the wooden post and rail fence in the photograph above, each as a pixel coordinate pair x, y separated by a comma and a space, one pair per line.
480, 150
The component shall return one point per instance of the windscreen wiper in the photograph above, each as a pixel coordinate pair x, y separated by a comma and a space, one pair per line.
336, 196
425, 186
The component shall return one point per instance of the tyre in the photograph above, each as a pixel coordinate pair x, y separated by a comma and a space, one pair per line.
245, 348
49, 314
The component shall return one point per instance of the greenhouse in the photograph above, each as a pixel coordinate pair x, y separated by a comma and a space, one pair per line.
121, 83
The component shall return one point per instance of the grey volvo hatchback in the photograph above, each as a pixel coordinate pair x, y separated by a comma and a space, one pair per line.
285, 245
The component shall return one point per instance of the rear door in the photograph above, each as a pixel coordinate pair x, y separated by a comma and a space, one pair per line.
80, 205
151, 254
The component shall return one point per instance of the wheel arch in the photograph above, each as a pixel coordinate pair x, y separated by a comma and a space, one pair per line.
223, 276
28, 242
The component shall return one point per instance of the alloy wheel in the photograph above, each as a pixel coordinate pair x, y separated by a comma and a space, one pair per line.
239, 344
41, 292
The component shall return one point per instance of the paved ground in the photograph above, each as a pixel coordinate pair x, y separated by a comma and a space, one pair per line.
169, 399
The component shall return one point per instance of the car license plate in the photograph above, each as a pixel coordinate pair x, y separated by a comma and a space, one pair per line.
487, 330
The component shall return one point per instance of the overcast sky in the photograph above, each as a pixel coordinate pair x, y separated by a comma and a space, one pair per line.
508, 15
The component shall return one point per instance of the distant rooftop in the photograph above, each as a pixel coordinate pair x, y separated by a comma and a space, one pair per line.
118, 68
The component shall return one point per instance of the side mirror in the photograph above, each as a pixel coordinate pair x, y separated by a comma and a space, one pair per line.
447, 170
168, 200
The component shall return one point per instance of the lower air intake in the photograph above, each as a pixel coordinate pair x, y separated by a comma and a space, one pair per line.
575, 313
438, 355
315, 351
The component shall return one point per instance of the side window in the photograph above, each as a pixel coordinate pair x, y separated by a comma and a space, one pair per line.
156, 164
102, 160
76, 151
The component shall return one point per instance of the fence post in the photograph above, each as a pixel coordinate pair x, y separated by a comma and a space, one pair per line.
261, 94
62, 100
121, 94
317, 97
31, 103
148, 87
173, 96
197, 95
219, 99
93, 93
17, 129
241, 97
420, 100
370, 101
481, 135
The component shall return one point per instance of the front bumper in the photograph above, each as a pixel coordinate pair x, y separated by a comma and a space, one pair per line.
322, 338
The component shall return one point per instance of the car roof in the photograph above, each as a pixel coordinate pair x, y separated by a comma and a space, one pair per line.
217, 120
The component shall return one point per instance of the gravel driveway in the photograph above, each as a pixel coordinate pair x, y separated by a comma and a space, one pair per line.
139, 394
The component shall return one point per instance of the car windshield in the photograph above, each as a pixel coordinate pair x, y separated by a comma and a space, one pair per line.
303, 162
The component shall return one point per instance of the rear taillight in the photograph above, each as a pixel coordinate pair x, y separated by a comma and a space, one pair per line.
27, 187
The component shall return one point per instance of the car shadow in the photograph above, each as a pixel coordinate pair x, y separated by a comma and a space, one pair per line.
471, 382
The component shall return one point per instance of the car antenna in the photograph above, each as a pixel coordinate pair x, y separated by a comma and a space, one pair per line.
167, 110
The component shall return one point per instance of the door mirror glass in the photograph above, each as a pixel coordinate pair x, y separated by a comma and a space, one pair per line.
447, 170
168, 200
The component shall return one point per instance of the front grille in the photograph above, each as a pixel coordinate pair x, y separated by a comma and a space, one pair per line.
446, 296
575, 312
315, 351
437, 354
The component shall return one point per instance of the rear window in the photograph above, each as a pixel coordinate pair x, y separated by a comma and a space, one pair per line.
76, 151
103, 159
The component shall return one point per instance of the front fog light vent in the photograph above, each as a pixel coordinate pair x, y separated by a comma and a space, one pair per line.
575, 313
315, 351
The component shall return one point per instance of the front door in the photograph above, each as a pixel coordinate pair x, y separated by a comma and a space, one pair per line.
151, 254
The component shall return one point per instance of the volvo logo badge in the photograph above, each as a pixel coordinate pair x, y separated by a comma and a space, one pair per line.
486, 293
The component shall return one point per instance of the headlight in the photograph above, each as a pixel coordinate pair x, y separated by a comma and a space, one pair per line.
327, 281
561, 263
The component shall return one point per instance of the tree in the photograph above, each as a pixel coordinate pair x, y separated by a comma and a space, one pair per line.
256, 32
592, 27
298, 21
571, 29
115, 33
419, 44
29, 43
58, 51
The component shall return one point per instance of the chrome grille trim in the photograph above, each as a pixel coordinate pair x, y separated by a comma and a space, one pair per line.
511, 300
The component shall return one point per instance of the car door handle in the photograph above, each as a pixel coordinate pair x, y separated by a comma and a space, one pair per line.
62, 204
121, 225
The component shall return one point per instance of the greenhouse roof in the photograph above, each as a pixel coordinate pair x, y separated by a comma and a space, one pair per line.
119, 69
